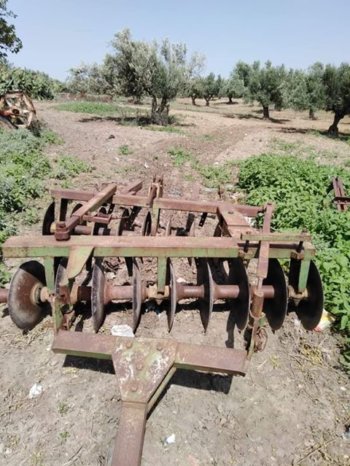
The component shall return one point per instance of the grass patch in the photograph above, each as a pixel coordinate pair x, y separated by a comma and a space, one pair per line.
94, 108
180, 156
299, 189
68, 166
164, 129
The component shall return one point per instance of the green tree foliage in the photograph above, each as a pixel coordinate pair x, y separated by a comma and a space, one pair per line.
337, 90
265, 86
158, 70
211, 87
194, 89
305, 91
232, 88
35, 83
9, 42
89, 79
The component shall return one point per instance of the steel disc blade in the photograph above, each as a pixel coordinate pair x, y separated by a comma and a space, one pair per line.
309, 310
136, 294
275, 308
239, 306
173, 296
205, 278
49, 219
97, 294
61, 284
24, 304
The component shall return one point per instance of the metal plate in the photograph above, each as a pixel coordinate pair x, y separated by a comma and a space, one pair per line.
309, 310
97, 294
173, 295
275, 308
136, 294
24, 305
49, 219
239, 307
205, 278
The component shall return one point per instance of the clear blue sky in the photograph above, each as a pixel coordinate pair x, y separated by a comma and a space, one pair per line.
60, 34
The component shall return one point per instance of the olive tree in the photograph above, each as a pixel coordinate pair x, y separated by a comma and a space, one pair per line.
265, 86
337, 89
211, 87
232, 88
159, 71
194, 89
88, 79
9, 42
305, 90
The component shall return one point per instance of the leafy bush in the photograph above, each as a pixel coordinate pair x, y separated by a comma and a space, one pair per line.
299, 188
24, 172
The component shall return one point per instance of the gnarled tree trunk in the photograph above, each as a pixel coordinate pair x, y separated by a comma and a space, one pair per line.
207, 100
312, 114
230, 101
160, 111
266, 112
193, 100
333, 129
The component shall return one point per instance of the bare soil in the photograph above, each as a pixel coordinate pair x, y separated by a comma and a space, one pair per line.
292, 408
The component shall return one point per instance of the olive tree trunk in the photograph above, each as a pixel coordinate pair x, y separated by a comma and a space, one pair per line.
266, 113
160, 111
333, 129
193, 100
312, 114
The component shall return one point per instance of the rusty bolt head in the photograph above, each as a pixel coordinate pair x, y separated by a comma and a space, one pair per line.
159, 347
133, 387
139, 366
129, 344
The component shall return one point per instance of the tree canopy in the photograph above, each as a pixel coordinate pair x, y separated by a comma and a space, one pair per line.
9, 42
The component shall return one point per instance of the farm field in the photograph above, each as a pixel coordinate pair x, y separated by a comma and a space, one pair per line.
294, 390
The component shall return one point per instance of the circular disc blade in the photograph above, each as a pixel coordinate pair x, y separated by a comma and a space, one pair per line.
173, 296
309, 310
123, 222
49, 219
136, 294
275, 308
97, 294
205, 278
239, 307
98, 226
61, 284
23, 299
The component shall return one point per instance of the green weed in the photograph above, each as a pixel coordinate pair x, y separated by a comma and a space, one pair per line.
299, 189
124, 150
180, 156
70, 166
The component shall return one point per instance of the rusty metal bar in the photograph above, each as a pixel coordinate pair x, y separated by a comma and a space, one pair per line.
124, 246
131, 434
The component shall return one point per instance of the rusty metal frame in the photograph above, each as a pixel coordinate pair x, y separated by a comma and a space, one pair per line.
144, 366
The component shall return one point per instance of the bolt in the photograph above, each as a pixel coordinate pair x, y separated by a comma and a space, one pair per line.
134, 387
129, 344
139, 366
159, 347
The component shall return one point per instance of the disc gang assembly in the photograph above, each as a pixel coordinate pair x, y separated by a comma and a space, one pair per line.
82, 231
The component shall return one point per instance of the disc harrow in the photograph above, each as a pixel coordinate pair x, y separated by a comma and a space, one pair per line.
237, 266
340, 200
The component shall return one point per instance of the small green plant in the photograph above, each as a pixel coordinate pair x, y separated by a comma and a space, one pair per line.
64, 436
180, 156
63, 408
124, 150
70, 166
164, 129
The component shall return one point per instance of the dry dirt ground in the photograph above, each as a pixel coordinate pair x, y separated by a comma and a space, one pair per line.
292, 408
